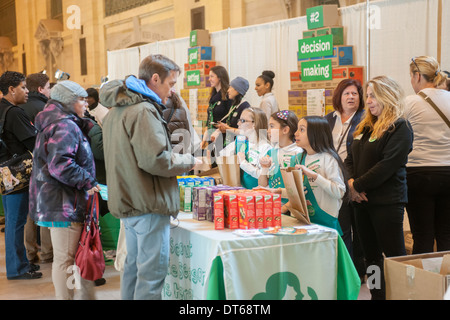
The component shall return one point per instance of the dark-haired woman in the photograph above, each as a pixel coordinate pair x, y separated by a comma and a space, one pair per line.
184, 138
19, 136
263, 86
219, 103
323, 170
348, 104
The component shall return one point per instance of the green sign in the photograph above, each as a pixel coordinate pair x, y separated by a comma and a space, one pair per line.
314, 16
315, 47
317, 70
193, 55
193, 78
193, 38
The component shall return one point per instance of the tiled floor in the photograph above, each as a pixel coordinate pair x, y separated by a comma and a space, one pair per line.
42, 289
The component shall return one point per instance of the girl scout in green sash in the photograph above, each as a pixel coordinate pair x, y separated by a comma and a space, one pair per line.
282, 128
253, 135
323, 171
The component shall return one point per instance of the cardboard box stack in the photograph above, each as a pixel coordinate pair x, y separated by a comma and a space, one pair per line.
229, 207
196, 87
323, 61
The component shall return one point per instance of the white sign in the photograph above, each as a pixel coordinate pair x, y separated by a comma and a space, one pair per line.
315, 102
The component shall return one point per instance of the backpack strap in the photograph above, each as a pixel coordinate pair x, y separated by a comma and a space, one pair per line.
435, 107
2, 124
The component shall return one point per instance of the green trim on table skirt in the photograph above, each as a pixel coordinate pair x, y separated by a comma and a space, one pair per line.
216, 284
348, 281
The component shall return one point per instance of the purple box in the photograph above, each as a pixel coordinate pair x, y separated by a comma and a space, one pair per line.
199, 203
210, 199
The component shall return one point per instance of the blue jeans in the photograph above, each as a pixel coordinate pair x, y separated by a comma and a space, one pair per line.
16, 212
147, 241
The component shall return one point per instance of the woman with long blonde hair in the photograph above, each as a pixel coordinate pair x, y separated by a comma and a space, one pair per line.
377, 170
428, 169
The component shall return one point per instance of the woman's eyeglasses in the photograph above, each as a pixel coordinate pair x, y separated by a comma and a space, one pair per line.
244, 121
414, 61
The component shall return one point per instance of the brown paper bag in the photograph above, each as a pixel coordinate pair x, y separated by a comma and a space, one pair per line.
230, 170
293, 182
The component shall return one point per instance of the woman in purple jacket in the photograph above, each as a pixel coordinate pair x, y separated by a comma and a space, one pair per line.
62, 180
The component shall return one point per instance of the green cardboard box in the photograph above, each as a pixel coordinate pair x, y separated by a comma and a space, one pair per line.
199, 38
309, 34
322, 16
337, 32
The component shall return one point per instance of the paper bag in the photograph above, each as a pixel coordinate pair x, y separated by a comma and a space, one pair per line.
293, 182
230, 170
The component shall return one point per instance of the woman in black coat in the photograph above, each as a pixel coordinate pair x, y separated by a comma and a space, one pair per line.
377, 169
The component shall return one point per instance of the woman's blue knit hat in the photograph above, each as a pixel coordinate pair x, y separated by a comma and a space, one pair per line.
240, 85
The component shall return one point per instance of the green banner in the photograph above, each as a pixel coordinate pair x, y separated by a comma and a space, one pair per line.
315, 47
317, 70
193, 78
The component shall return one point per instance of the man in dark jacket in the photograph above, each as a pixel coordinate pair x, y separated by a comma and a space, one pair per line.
39, 86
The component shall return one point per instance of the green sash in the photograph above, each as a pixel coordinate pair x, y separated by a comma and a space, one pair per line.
316, 214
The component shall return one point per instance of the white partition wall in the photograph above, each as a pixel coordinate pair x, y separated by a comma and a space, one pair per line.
123, 62
385, 36
406, 29
445, 40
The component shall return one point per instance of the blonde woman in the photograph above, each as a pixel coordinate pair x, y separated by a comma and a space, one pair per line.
428, 169
377, 169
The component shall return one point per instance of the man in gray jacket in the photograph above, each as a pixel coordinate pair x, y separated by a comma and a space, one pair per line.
141, 172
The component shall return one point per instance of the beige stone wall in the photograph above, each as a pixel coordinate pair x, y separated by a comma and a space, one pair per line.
159, 20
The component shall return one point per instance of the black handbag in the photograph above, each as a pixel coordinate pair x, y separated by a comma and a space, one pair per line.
15, 173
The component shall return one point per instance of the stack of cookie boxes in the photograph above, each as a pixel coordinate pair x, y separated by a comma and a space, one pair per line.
197, 87
323, 60
236, 207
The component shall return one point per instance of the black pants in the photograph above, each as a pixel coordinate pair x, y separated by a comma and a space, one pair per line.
380, 229
429, 208
350, 236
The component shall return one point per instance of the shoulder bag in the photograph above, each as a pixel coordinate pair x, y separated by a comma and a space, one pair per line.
15, 173
435, 107
89, 257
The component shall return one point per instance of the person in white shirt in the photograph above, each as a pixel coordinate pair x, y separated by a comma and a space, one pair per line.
428, 168
253, 125
323, 171
263, 86
95, 109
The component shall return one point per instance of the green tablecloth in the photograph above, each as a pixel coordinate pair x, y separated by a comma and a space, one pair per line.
219, 265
